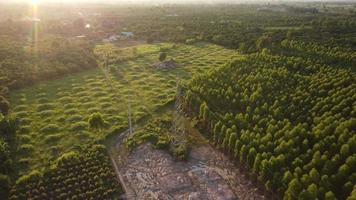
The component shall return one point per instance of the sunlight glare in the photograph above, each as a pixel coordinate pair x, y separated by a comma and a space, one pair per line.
35, 2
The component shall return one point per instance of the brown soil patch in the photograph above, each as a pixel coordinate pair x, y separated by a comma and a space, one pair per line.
208, 174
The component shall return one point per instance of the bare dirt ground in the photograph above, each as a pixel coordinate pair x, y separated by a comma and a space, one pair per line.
149, 173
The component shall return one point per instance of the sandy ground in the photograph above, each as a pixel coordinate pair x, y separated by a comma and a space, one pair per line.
149, 173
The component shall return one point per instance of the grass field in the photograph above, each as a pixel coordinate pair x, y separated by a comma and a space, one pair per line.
54, 114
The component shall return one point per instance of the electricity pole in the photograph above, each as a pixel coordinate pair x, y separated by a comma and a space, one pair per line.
129, 115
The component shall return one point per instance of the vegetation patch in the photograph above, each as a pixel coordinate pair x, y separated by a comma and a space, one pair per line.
86, 175
159, 133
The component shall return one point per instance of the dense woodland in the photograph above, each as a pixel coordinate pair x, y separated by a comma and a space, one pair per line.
290, 121
286, 112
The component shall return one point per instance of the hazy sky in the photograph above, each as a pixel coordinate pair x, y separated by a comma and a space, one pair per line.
156, 1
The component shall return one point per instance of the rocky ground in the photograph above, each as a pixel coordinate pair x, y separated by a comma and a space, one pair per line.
149, 173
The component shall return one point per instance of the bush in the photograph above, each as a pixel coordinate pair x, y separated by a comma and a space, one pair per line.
42, 107
162, 56
25, 149
47, 113
4, 106
50, 128
96, 121
53, 138
5, 185
71, 111
79, 126
180, 150
33, 176
65, 159
74, 118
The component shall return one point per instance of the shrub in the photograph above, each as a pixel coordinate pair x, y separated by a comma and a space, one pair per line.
74, 118
65, 99
96, 121
4, 106
162, 56
5, 185
21, 114
20, 108
42, 100
179, 150
25, 149
50, 128
47, 113
25, 138
79, 126
53, 138
46, 106
71, 111
66, 157
33, 176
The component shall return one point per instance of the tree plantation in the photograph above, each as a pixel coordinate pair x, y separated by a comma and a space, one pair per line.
289, 121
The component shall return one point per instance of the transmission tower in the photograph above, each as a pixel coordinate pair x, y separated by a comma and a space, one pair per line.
177, 106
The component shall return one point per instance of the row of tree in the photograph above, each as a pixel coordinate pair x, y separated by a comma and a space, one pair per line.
8, 128
289, 120
85, 175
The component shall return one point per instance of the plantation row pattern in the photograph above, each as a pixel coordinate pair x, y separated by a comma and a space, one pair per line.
289, 120
88, 175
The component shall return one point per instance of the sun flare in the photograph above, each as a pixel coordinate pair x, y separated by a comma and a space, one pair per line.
35, 2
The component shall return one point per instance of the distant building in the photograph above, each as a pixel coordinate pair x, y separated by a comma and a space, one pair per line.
116, 37
31, 19
127, 34
111, 38
172, 15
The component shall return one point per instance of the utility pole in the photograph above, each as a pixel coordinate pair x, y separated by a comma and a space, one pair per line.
129, 115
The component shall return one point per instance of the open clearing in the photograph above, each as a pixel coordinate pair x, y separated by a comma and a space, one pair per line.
54, 114
150, 173
208, 174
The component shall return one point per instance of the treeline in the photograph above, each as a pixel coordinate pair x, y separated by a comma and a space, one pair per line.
8, 128
289, 120
86, 175
331, 55
243, 27
23, 63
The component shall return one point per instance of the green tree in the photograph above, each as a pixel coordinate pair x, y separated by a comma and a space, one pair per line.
294, 189
96, 121
330, 196
216, 132
226, 139
162, 56
251, 157
4, 106
232, 142
257, 163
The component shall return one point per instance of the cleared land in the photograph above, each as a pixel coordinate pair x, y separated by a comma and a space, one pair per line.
207, 174
54, 114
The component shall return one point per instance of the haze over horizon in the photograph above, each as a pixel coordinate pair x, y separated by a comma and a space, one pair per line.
167, 1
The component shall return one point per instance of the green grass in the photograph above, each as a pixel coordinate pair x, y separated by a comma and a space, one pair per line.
54, 114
